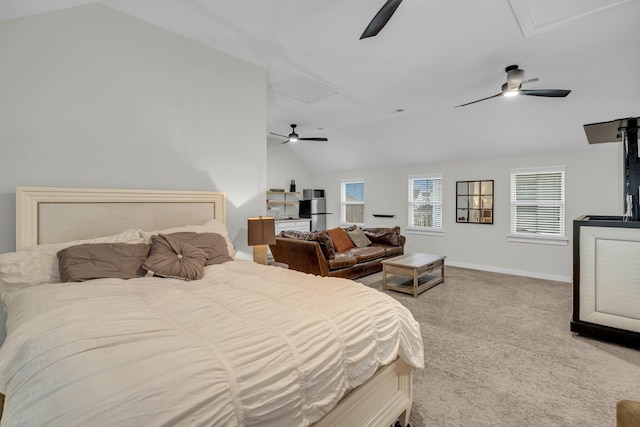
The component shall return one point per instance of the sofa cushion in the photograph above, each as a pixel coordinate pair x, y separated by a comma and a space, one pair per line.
389, 250
387, 236
358, 238
340, 239
293, 234
342, 260
326, 244
368, 253
322, 237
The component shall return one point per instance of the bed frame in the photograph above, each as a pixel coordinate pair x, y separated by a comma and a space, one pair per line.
52, 215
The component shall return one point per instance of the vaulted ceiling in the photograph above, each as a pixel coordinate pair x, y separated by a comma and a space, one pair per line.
389, 100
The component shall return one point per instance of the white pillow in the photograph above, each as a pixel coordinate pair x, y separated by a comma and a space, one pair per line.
39, 264
213, 226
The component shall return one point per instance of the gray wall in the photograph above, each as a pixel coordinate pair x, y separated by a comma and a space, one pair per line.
90, 97
593, 186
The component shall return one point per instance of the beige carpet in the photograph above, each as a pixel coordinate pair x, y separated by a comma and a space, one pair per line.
498, 352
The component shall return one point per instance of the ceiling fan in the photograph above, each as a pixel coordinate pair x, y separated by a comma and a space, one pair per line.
293, 136
380, 20
515, 79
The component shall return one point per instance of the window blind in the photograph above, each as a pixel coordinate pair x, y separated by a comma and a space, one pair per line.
425, 202
352, 196
354, 191
537, 202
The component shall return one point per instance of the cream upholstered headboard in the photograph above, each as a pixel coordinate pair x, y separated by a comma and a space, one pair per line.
52, 215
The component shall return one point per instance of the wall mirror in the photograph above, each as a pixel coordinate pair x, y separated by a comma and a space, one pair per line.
474, 201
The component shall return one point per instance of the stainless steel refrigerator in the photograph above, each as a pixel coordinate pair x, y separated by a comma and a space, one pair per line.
313, 205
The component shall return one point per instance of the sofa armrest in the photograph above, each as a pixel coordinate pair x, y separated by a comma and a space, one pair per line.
300, 255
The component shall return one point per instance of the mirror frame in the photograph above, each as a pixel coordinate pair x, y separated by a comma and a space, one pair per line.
474, 201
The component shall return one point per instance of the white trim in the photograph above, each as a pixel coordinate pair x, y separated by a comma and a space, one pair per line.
538, 239
535, 275
426, 231
426, 176
342, 181
436, 231
343, 201
540, 169
555, 239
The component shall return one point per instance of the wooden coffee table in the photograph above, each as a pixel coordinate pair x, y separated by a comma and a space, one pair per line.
413, 266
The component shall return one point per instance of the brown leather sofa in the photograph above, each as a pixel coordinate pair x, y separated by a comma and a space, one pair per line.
315, 253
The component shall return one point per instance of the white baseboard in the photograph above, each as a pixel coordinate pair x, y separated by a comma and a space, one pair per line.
566, 279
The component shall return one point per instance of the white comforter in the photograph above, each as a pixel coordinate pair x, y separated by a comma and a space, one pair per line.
247, 345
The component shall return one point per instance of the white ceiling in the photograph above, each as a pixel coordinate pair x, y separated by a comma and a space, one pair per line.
431, 56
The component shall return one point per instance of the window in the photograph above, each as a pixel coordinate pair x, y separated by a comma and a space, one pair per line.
425, 203
352, 200
537, 205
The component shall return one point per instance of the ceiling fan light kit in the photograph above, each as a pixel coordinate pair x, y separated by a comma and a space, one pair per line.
513, 87
294, 137
509, 92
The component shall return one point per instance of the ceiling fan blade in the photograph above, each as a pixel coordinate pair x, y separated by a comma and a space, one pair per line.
380, 20
553, 93
313, 139
483, 99
277, 134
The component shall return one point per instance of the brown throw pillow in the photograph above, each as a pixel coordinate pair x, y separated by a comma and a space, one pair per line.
386, 236
214, 245
100, 260
171, 257
340, 239
326, 245
358, 238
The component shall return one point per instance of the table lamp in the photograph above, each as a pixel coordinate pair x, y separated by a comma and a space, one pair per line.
261, 232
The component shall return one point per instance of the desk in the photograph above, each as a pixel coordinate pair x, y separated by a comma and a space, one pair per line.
413, 266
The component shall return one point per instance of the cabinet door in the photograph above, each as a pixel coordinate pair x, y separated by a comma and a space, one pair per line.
303, 226
285, 225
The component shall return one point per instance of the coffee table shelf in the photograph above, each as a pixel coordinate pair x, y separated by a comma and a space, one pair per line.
415, 266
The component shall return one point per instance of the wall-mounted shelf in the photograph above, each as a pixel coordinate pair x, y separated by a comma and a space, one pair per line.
282, 199
283, 192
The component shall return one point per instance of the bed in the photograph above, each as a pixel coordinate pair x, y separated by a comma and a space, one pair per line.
243, 345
